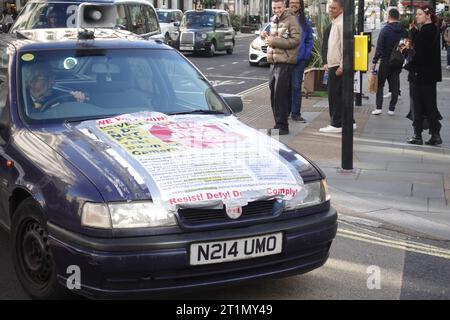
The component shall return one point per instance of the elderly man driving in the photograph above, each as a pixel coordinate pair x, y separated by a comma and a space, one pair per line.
40, 91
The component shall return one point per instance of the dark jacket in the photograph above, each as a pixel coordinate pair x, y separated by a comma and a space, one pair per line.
425, 65
306, 43
326, 35
389, 38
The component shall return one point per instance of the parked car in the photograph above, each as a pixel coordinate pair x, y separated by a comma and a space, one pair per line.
137, 16
169, 21
206, 31
125, 173
257, 52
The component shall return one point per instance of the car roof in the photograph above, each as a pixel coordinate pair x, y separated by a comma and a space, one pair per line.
30, 40
208, 11
74, 1
162, 9
91, 1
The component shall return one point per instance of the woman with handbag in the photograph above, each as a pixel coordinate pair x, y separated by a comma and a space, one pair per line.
424, 72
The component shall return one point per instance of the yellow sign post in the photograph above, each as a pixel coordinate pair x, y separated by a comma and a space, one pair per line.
361, 52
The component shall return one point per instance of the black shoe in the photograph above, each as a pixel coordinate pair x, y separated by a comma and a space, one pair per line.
281, 132
434, 140
298, 119
416, 139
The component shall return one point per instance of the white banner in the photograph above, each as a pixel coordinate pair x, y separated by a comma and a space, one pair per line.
201, 158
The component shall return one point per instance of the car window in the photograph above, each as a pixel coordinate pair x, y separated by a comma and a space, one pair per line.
198, 19
218, 20
137, 20
179, 16
151, 19
47, 15
225, 21
163, 16
115, 82
122, 18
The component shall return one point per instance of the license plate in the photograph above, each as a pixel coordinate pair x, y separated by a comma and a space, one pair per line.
237, 249
186, 48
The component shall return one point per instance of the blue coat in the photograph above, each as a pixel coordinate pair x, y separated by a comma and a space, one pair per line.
306, 43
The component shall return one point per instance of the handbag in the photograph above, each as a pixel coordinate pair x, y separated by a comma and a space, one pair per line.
373, 82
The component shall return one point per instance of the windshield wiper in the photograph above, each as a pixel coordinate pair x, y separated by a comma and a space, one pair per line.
200, 111
86, 118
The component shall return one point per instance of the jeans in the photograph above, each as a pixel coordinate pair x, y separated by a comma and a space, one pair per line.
393, 78
296, 87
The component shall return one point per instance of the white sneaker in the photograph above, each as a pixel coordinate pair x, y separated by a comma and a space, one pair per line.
354, 126
330, 129
391, 113
377, 111
387, 95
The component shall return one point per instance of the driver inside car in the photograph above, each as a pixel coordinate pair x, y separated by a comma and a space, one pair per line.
41, 93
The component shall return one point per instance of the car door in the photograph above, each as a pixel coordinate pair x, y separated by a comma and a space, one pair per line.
5, 57
219, 32
228, 31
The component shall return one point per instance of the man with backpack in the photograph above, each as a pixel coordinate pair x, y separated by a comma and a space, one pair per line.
391, 60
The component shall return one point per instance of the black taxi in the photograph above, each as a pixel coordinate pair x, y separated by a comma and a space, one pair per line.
206, 31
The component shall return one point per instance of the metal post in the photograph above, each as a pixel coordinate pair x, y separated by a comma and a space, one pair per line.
347, 112
433, 3
270, 9
358, 96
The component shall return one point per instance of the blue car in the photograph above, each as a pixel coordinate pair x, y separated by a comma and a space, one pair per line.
124, 173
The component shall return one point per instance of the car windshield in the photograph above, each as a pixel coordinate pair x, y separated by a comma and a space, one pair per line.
85, 84
163, 17
198, 19
47, 15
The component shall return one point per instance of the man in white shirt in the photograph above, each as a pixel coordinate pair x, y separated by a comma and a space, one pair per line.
335, 67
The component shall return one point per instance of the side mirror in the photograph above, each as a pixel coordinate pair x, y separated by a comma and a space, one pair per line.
176, 23
233, 101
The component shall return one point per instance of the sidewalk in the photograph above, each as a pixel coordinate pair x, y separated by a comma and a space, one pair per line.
240, 35
394, 185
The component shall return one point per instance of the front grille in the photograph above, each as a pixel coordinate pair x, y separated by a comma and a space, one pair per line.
198, 216
187, 38
264, 49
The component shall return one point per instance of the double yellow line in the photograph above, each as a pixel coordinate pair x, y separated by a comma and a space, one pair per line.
396, 244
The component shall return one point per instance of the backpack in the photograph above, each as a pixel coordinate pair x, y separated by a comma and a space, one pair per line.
396, 59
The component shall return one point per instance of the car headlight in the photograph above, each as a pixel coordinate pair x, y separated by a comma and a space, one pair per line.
174, 35
316, 193
204, 36
255, 45
139, 214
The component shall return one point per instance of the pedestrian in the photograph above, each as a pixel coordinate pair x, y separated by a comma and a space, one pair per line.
443, 26
334, 66
388, 41
447, 41
424, 72
7, 19
283, 41
303, 56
